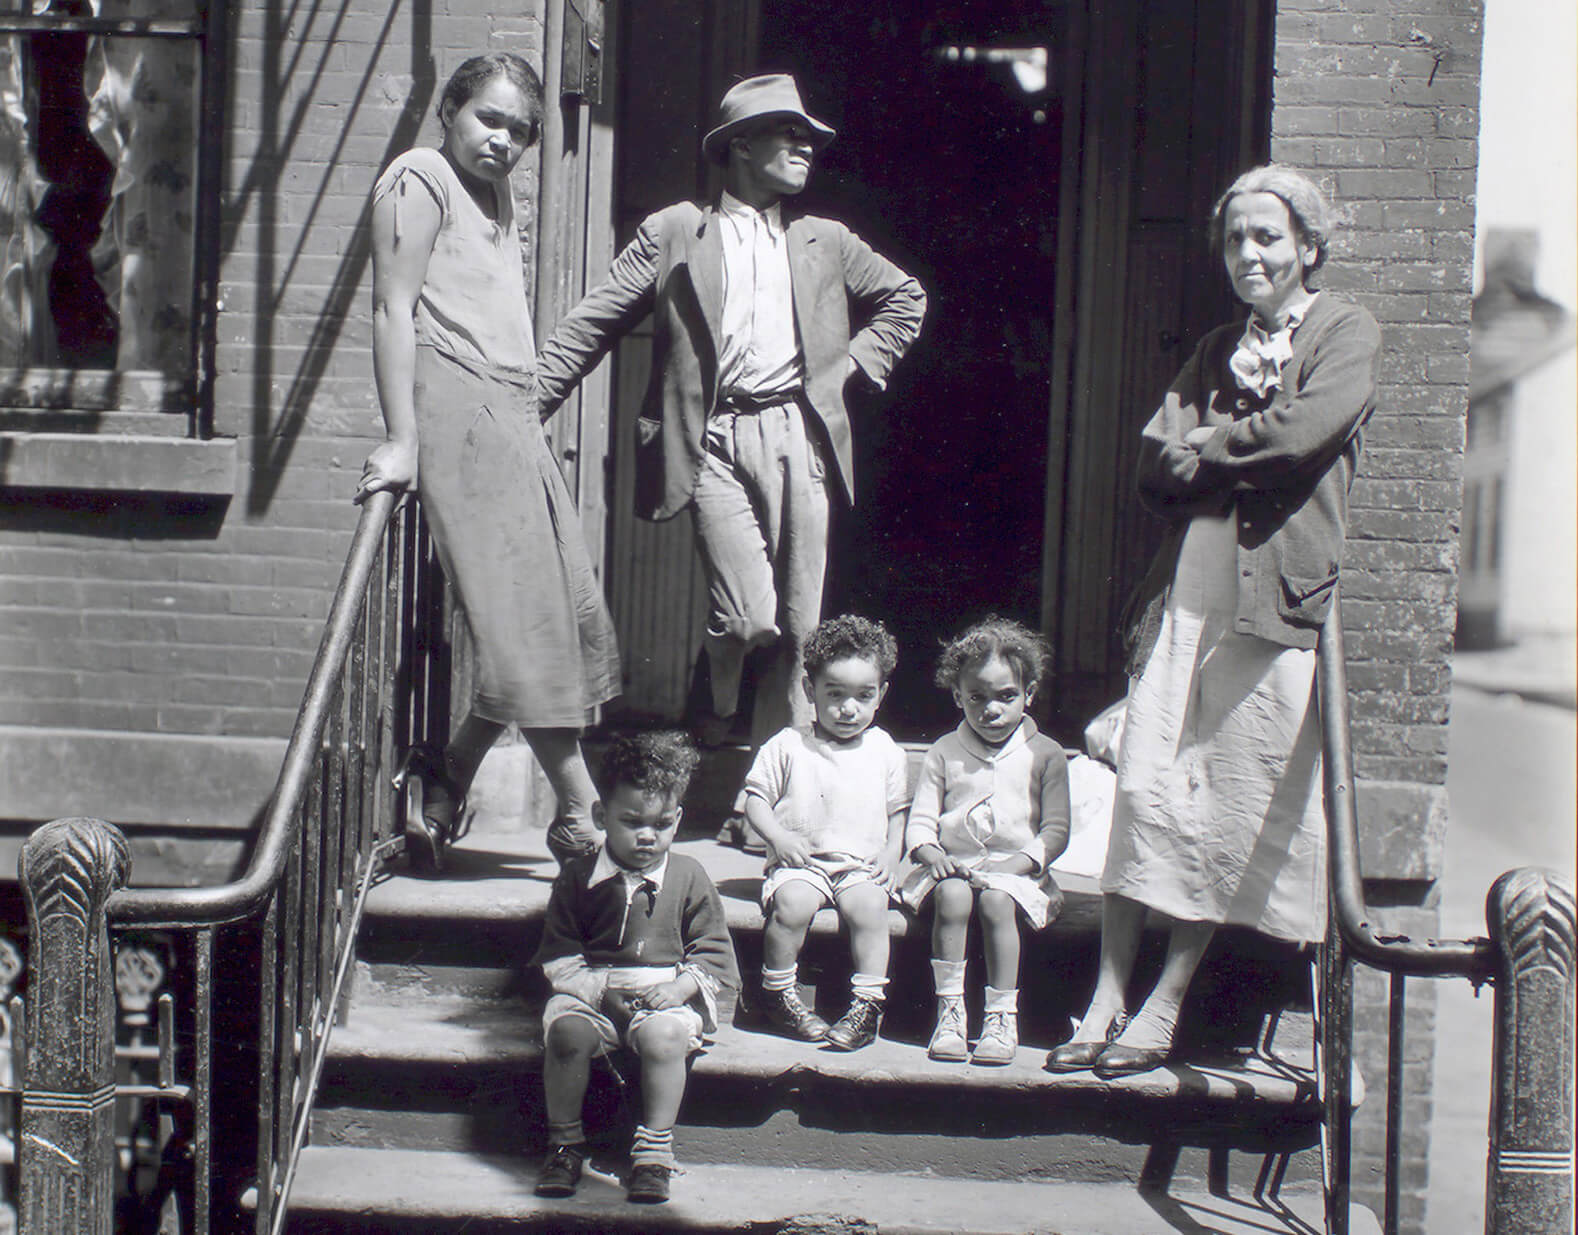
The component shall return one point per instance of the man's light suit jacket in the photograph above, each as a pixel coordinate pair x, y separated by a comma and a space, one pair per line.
674, 270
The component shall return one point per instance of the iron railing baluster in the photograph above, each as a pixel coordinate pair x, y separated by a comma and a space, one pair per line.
202, 1079
268, 1058
1395, 1010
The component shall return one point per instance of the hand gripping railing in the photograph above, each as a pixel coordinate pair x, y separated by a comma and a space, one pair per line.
261, 959
1528, 959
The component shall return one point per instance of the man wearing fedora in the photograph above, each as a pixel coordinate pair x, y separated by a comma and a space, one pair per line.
761, 315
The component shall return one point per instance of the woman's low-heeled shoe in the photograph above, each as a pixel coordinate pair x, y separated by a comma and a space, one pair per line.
1074, 1056
1081, 1056
1118, 1060
427, 789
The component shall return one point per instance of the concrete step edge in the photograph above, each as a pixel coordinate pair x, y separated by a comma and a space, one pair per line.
409, 1035
399, 1190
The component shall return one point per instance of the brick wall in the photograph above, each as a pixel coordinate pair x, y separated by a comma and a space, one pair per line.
1380, 100
133, 613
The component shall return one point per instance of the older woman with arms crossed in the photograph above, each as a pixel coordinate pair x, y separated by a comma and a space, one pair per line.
455, 363
1218, 817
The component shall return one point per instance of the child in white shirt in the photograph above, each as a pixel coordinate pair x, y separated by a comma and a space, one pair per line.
829, 801
990, 816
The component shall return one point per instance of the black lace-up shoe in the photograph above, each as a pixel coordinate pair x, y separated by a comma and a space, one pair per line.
857, 1027
787, 1014
561, 1171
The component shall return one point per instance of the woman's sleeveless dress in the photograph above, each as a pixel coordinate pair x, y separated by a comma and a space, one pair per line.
503, 521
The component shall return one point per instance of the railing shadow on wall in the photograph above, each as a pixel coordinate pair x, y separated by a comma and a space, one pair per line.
289, 31
262, 960
258, 964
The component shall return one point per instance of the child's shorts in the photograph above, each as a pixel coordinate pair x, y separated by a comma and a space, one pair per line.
630, 981
830, 874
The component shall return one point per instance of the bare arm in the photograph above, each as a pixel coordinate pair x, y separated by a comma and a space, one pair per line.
400, 257
789, 848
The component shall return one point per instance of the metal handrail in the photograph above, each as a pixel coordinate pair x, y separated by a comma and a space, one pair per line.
230, 902
1470, 958
1528, 963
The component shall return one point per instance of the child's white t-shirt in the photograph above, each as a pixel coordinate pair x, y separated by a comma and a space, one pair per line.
838, 795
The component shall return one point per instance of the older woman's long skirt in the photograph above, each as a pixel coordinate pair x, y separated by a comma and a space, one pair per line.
509, 539
1218, 812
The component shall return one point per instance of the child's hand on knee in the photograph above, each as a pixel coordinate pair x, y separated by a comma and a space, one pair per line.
941, 863
888, 863
791, 849
620, 1006
673, 994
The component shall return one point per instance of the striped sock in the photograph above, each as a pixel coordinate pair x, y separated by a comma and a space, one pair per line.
652, 1145
778, 979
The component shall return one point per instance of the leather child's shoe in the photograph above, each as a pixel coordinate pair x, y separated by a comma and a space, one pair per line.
788, 1014
561, 1171
648, 1184
857, 1027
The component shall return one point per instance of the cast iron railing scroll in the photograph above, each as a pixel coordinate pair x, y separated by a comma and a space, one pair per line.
378, 684
1528, 960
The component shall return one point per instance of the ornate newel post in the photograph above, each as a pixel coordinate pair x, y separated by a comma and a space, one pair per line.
1529, 1186
66, 1146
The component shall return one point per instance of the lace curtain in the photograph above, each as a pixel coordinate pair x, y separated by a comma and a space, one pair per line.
27, 331
140, 99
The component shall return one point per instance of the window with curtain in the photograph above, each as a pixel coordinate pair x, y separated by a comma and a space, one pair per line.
99, 200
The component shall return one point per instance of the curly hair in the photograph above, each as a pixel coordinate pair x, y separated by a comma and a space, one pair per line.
849, 635
1312, 216
1025, 649
478, 71
659, 761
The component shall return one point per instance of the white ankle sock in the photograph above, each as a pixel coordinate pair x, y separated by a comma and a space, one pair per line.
948, 977
1000, 999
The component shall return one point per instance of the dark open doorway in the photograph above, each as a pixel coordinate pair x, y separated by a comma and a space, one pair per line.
1045, 167
947, 160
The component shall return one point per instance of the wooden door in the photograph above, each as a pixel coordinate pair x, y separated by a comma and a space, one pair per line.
575, 229
1173, 102
676, 59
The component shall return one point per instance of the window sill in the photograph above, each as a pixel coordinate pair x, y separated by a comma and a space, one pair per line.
117, 464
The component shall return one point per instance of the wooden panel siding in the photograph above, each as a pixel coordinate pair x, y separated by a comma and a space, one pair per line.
678, 57
1158, 138
655, 586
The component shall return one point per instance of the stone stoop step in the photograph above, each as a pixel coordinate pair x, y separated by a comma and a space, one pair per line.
475, 929
437, 1064
443, 1069
361, 1191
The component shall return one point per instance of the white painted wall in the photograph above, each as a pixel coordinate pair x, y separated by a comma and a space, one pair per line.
1528, 178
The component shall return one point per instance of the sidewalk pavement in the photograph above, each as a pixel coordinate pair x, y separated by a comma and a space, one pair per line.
1543, 669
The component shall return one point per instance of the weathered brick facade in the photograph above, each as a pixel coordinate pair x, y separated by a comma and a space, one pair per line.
199, 617
1380, 99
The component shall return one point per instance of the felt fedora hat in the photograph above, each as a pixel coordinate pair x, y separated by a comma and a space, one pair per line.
755, 98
